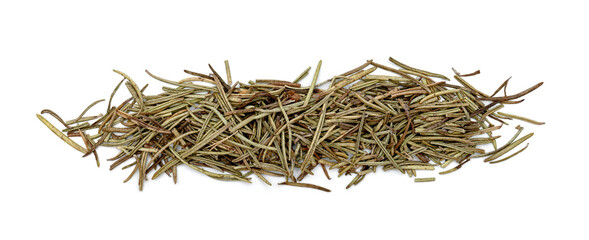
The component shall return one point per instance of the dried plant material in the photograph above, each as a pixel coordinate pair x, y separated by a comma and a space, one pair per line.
425, 179
360, 122
61, 135
520, 118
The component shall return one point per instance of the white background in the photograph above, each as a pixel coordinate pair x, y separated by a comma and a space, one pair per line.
59, 55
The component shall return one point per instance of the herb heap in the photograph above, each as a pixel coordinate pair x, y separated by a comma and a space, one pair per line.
405, 122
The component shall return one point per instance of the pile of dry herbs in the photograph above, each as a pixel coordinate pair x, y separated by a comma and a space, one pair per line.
410, 120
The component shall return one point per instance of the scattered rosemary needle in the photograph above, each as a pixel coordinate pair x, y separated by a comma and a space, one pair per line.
425, 179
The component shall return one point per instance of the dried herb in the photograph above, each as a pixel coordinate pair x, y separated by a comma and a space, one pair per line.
360, 122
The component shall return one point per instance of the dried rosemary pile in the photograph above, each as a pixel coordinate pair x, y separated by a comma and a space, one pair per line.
228, 131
